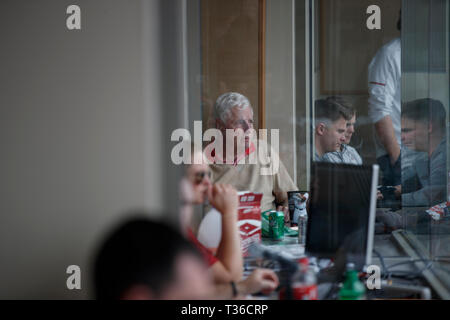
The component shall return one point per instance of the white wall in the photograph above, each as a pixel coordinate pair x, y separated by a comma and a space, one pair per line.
81, 132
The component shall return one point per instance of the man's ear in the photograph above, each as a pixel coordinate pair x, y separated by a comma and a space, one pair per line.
138, 292
320, 129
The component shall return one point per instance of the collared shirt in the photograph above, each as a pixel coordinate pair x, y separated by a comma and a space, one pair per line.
213, 157
347, 155
384, 89
244, 175
432, 175
318, 158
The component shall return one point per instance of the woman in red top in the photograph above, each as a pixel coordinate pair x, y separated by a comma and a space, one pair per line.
227, 264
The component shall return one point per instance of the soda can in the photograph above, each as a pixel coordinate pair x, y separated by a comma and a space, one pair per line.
302, 227
276, 225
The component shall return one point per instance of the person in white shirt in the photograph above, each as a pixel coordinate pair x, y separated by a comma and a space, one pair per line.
385, 108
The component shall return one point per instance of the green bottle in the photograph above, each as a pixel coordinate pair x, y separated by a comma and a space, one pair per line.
352, 288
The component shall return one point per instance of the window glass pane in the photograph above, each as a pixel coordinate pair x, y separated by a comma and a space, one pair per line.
425, 97
347, 85
395, 82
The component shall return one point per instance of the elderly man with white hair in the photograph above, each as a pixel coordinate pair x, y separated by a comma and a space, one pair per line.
233, 111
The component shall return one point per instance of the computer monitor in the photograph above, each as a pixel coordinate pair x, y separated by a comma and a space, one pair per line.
341, 212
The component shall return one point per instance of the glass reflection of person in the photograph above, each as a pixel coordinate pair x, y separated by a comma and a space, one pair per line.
424, 130
299, 206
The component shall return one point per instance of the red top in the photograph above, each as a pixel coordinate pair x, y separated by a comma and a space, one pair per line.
210, 259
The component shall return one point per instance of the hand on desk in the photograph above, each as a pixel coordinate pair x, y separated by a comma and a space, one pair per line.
391, 220
260, 280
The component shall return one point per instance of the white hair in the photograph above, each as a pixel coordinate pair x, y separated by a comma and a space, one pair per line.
227, 101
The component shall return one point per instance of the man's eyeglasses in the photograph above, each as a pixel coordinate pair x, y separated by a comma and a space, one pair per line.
200, 176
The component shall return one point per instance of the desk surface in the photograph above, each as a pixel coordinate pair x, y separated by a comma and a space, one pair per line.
383, 244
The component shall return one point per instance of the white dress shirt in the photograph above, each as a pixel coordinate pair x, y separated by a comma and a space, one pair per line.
385, 89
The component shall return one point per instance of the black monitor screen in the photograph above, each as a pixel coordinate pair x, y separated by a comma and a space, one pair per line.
339, 211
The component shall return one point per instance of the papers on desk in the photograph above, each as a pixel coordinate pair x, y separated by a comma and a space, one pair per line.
289, 251
249, 223
440, 211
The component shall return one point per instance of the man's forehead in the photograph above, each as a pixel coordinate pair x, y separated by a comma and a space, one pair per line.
407, 122
340, 123
237, 111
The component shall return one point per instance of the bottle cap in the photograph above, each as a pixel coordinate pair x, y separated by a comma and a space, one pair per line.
350, 266
304, 261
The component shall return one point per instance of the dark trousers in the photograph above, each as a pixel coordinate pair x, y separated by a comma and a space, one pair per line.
392, 175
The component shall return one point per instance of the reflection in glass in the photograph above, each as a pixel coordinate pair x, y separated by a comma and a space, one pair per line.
424, 130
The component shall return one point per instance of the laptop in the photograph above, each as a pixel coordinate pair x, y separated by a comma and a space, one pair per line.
341, 212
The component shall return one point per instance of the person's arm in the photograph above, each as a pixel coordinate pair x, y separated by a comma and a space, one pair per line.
434, 190
281, 198
230, 265
282, 183
384, 77
186, 210
385, 131
260, 280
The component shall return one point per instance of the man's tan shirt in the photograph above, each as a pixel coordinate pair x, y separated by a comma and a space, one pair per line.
247, 177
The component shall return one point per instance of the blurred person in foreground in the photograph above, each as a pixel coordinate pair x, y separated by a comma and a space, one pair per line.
146, 260
196, 189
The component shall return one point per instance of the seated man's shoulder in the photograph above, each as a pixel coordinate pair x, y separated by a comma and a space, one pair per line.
354, 156
333, 157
